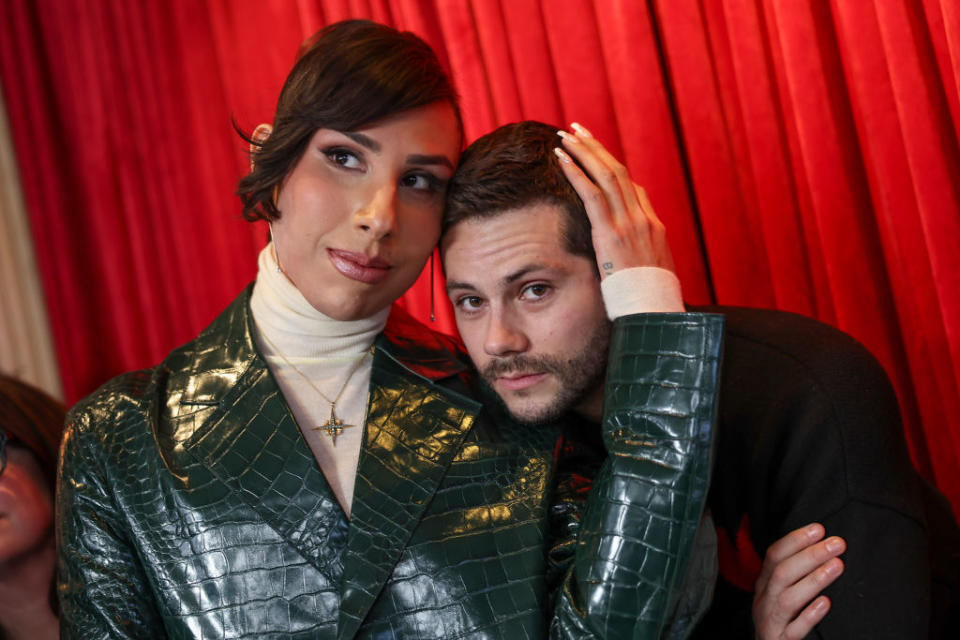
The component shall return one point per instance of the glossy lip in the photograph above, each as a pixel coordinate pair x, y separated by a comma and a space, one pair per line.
359, 266
519, 381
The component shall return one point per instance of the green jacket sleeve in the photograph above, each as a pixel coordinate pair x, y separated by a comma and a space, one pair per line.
643, 510
104, 592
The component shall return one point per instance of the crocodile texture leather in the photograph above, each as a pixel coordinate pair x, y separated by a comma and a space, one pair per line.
646, 502
189, 505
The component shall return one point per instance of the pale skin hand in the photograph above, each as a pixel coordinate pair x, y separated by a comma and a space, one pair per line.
626, 231
796, 568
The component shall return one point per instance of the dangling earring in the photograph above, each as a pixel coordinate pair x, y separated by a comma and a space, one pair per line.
432, 316
276, 253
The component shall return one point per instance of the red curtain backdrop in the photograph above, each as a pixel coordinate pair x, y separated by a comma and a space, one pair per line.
804, 155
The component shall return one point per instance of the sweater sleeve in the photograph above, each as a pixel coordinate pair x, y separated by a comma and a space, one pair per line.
641, 290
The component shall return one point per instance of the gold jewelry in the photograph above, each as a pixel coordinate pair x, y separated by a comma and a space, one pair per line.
334, 426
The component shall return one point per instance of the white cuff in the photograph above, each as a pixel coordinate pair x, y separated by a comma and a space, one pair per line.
641, 290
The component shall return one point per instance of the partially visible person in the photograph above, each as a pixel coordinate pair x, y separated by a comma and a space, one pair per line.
809, 426
30, 426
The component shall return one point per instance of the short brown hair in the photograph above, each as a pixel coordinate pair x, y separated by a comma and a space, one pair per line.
348, 74
514, 167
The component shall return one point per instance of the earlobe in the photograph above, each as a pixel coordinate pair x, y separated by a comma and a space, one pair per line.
260, 135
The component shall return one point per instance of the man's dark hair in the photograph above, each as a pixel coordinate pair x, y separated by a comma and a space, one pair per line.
347, 75
514, 167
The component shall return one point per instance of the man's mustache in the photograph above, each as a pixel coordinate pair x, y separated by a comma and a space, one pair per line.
521, 365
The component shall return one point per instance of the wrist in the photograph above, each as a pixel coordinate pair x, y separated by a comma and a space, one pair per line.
641, 290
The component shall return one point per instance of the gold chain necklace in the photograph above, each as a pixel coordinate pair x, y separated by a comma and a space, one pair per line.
334, 426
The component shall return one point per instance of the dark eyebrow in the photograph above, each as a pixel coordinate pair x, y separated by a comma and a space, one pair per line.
453, 284
522, 271
363, 141
373, 145
419, 159
509, 279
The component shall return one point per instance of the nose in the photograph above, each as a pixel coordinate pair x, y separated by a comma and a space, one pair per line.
377, 217
504, 335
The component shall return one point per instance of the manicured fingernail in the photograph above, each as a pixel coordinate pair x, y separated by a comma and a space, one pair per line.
566, 136
834, 545
579, 128
564, 158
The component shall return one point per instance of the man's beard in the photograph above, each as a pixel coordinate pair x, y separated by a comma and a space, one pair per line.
578, 376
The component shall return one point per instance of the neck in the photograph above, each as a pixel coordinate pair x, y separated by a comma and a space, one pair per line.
25, 595
296, 327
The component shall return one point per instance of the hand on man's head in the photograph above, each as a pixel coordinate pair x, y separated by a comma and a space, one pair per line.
625, 230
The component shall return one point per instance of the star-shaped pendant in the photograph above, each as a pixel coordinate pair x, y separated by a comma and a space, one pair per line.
333, 427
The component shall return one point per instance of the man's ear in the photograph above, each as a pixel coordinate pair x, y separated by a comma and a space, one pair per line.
260, 135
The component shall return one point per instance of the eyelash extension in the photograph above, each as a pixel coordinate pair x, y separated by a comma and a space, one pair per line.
435, 184
332, 151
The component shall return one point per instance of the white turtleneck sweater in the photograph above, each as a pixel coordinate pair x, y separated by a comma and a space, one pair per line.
324, 351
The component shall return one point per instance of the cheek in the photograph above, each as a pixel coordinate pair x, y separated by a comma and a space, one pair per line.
308, 208
420, 230
577, 325
27, 513
472, 335
36, 510
414, 245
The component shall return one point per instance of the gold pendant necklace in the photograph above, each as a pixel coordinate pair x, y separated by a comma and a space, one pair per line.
334, 426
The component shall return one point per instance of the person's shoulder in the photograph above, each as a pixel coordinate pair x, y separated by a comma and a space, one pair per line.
119, 401
781, 341
790, 378
137, 396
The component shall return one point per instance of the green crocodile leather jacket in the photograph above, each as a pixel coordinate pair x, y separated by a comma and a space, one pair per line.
189, 505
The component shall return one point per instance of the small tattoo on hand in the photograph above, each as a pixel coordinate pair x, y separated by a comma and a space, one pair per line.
608, 266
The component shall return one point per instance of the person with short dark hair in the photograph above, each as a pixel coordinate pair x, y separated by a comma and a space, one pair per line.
30, 426
809, 437
309, 467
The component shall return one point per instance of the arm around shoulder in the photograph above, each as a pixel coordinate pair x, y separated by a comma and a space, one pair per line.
642, 515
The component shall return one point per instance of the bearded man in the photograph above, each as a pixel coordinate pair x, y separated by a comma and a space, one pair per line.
548, 247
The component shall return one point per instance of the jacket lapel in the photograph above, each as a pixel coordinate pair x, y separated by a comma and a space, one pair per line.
248, 439
225, 410
413, 431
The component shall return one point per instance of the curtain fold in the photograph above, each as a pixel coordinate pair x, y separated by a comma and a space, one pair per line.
804, 155
909, 145
26, 346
